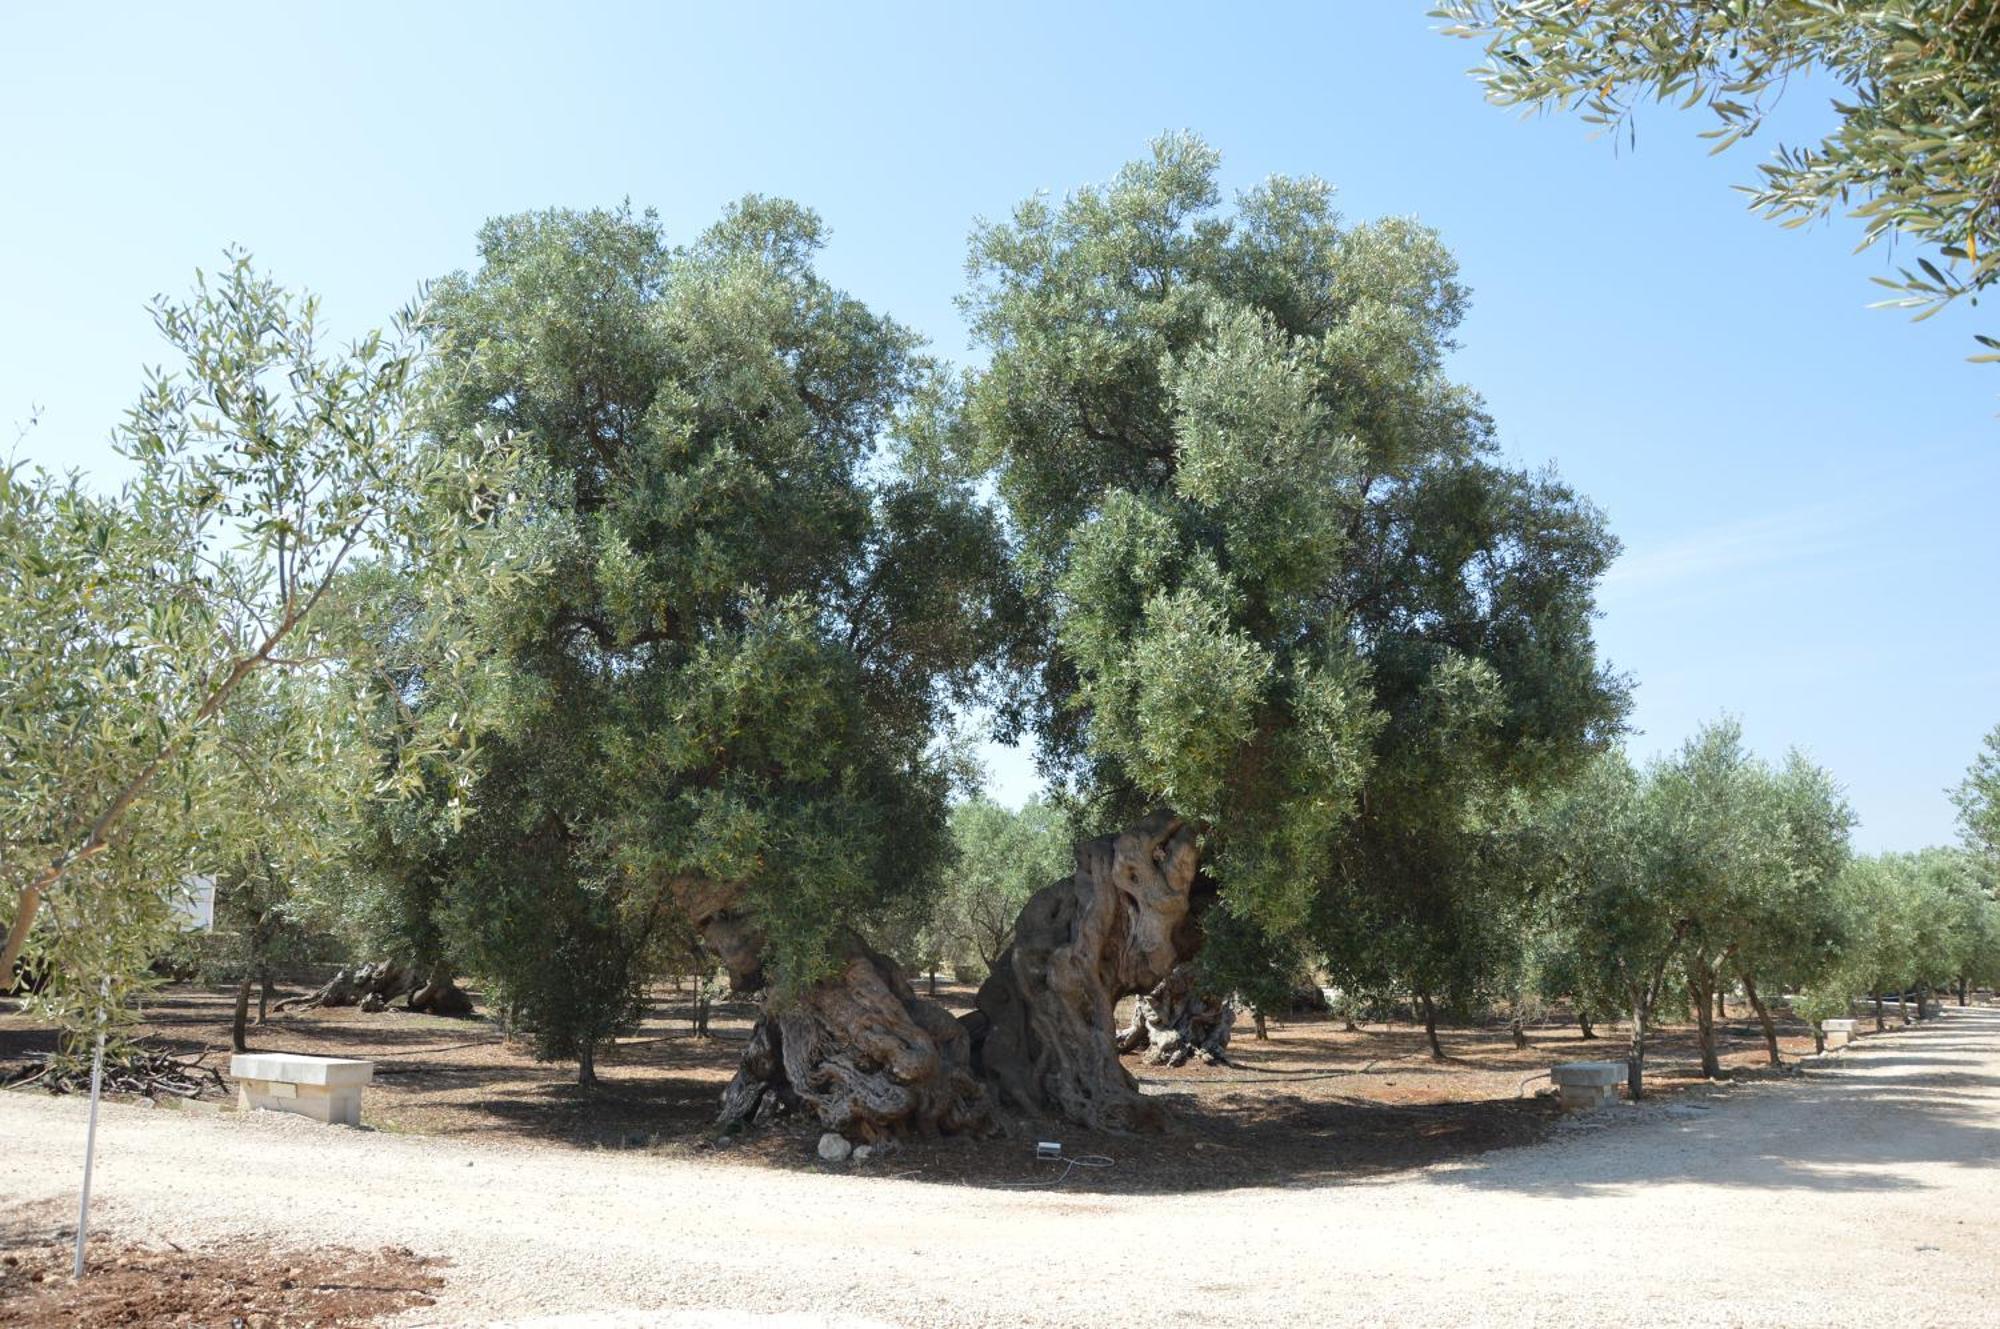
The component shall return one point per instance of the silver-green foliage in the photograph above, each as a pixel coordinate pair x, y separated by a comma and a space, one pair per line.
1288, 585
132, 624
1914, 151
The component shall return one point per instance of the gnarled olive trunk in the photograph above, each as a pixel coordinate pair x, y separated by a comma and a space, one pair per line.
864, 1055
1043, 1035
1177, 1021
373, 986
859, 1051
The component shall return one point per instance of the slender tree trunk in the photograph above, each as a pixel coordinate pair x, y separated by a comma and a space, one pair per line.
1520, 1035
1721, 1006
1763, 1018
1701, 980
1879, 1025
933, 991
586, 1064
265, 991
238, 1040
1961, 989
1903, 1005
703, 1000
1635, 1056
1584, 1028
1257, 1022
1431, 1025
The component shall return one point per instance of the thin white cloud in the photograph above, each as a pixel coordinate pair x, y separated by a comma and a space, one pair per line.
1735, 550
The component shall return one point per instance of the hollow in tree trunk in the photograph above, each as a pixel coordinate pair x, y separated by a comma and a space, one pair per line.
1042, 1034
1177, 1021
1430, 1014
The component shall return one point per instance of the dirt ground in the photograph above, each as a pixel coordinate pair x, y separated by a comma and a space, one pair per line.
1857, 1191
241, 1284
1312, 1102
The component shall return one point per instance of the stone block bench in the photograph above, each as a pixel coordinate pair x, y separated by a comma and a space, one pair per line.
1584, 1085
326, 1089
1836, 1033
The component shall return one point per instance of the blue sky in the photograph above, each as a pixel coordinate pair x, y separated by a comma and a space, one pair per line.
1804, 486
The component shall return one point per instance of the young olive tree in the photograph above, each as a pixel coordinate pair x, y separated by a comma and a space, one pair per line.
1002, 856
131, 624
1620, 915
1787, 926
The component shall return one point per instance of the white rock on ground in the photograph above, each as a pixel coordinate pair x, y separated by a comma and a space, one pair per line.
1864, 1192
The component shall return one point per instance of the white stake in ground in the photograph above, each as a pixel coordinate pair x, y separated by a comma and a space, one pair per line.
90, 1133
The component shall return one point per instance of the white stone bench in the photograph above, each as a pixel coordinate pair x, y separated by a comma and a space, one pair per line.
1584, 1085
1836, 1033
326, 1089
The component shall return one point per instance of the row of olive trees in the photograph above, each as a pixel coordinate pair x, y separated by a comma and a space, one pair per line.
1627, 892
1712, 871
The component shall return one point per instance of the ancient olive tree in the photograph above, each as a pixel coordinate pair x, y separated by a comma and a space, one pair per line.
1295, 610
720, 708
1912, 154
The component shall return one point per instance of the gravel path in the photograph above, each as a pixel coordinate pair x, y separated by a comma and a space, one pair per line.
1865, 1192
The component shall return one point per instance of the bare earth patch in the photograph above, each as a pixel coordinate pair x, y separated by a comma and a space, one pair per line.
242, 1285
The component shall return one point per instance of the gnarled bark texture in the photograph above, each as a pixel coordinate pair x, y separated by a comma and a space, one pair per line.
1043, 1034
865, 1055
374, 985
859, 1051
1177, 1021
